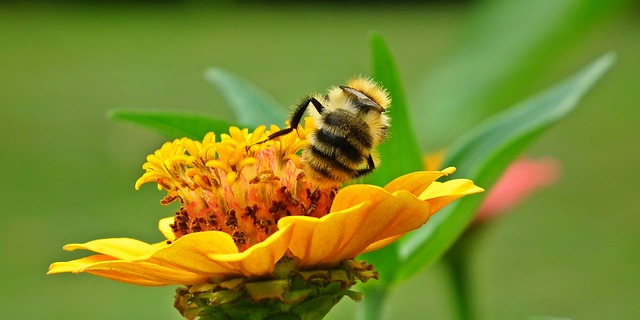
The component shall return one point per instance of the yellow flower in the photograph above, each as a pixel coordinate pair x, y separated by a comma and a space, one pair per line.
247, 206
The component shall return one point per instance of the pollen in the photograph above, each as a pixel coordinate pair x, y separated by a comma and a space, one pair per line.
236, 185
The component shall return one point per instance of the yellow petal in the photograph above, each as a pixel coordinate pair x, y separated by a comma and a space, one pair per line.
134, 272
439, 194
215, 254
411, 214
144, 273
382, 243
119, 248
190, 252
416, 182
75, 266
361, 215
261, 258
193, 258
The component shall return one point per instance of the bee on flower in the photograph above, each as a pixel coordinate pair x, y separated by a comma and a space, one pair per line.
350, 123
263, 218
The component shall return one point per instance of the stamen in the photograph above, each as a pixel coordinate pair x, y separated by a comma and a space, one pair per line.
235, 185
257, 134
231, 177
217, 164
246, 162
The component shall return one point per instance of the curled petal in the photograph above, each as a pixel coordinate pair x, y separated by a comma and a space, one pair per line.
439, 194
416, 182
361, 215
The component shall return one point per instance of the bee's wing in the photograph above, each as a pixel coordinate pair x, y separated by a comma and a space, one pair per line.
362, 98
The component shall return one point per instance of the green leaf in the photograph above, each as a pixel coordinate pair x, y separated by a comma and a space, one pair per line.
484, 153
174, 124
497, 59
400, 153
250, 104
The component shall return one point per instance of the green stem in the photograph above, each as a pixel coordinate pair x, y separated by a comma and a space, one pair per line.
372, 305
460, 300
457, 261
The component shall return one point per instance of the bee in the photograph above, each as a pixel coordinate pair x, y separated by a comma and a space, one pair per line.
350, 122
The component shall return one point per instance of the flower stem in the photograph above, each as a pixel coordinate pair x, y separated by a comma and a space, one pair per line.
371, 307
459, 296
457, 262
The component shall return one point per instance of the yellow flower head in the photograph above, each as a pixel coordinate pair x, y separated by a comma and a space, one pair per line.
247, 205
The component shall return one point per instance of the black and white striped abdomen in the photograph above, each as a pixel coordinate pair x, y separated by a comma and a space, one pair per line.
339, 148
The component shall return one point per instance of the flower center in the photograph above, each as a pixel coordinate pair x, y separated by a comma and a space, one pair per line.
236, 185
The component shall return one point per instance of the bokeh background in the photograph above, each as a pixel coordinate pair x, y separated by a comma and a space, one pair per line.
67, 172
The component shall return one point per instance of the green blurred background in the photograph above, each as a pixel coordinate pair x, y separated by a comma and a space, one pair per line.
67, 172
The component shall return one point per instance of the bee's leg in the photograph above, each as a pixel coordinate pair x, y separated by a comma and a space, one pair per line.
297, 117
317, 105
371, 165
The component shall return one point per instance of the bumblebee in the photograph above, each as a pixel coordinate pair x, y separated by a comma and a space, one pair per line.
351, 122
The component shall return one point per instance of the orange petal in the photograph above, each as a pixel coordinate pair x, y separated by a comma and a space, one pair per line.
261, 258
361, 215
414, 219
416, 182
439, 194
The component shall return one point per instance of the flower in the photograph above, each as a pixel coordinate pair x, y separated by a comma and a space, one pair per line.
247, 210
523, 177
